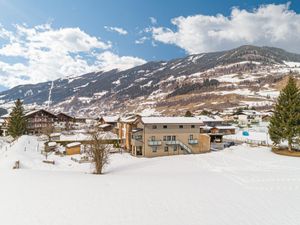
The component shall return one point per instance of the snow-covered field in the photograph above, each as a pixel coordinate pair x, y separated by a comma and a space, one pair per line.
236, 186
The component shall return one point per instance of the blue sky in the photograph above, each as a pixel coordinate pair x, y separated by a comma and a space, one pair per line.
140, 38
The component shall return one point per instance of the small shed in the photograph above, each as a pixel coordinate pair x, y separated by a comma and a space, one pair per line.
55, 136
51, 146
73, 148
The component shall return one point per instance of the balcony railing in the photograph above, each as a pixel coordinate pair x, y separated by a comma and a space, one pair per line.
193, 141
174, 142
154, 143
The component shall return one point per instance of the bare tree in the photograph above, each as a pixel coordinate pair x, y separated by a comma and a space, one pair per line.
48, 130
98, 152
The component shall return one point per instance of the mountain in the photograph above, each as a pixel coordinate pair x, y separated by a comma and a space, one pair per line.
247, 75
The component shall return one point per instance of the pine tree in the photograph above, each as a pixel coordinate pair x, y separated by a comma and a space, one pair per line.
188, 114
285, 122
17, 122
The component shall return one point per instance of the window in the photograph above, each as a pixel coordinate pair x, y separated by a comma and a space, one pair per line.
168, 138
152, 138
192, 126
154, 149
166, 148
191, 137
181, 148
139, 150
154, 127
173, 138
138, 137
165, 126
180, 126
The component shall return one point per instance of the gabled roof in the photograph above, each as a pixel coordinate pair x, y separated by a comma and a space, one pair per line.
64, 114
110, 119
129, 118
210, 118
39, 110
105, 125
171, 120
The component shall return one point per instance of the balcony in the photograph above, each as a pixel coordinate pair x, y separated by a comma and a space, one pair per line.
193, 141
174, 142
154, 143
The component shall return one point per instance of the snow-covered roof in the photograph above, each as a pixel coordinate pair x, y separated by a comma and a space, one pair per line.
129, 119
86, 137
37, 110
55, 134
136, 130
206, 127
73, 144
210, 118
225, 127
104, 125
171, 120
109, 136
110, 119
52, 144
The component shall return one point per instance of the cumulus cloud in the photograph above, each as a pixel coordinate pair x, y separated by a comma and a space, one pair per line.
109, 61
119, 30
42, 53
270, 25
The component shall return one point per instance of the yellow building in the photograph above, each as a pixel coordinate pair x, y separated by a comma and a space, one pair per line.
73, 148
163, 136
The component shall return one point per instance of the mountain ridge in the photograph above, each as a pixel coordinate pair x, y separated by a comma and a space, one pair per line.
158, 83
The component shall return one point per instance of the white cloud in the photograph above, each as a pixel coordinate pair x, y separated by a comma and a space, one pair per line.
42, 53
109, 61
141, 40
271, 25
153, 20
119, 30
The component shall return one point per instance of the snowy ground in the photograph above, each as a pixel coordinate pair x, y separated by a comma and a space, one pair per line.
237, 186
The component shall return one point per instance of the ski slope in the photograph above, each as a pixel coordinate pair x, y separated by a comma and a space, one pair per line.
237, 186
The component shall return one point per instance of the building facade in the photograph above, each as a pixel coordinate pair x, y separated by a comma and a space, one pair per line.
164, 136
64, 121
40, 121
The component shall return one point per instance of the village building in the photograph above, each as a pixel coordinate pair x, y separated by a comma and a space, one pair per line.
109, 123
4, 120
248, 117
64, 121
215, 127
40, 121
163, 136
125, 126
73, 148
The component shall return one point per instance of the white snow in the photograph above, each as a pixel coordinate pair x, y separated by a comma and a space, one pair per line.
292, 64
28, 93
245, 92
73, 144
171, 120
240, 185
